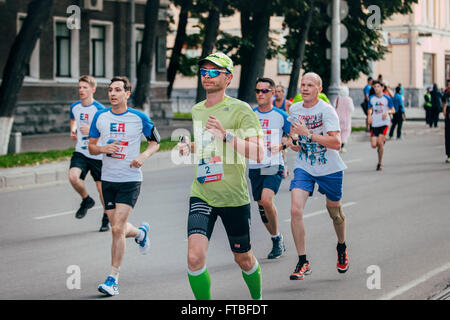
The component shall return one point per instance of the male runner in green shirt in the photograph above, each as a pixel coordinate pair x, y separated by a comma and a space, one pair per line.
226, 131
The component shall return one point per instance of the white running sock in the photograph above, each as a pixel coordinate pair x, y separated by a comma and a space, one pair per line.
115, 273
140, 236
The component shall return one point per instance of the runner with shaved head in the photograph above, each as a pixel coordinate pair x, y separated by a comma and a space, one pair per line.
315, 133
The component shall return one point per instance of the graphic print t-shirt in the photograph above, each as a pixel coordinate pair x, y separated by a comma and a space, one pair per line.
380, 106
125, 128
314, 158
83, 116
273, 123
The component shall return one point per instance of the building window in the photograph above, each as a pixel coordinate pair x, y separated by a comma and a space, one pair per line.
284, 66
21, 20
101, 51
447, 14
63, 50
447, 67
32, 68
98, 39
428, 69
139, 39
161, 54
430, 12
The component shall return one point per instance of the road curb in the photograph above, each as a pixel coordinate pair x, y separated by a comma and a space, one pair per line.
59, 171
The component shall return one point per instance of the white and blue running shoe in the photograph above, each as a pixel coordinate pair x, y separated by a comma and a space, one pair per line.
110, 287
144, 245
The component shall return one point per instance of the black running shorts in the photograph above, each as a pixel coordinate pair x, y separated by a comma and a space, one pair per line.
120, 192
86, 164
236, 221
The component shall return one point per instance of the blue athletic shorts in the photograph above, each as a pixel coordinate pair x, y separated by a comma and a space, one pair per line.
330, 185
259, 181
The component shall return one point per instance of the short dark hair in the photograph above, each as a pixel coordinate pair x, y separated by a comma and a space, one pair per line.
398, 89
267, 80
376, 82
369, 78
125, 80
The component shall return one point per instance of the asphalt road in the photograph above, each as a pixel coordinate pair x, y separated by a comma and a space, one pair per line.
398, 235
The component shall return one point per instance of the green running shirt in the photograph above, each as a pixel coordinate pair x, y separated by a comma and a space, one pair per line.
237, 117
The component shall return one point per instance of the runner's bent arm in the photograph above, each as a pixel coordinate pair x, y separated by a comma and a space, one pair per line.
94, 149
152, 148
73, 129
332, 140
251, 148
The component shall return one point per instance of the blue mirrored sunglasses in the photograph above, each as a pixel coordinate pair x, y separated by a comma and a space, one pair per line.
212, 73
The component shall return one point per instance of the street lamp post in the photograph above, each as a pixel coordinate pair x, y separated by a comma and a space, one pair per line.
333, 90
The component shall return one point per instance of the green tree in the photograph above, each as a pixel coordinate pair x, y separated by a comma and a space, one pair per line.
180, 40
364, 44
298, 16
38, 13
254, 46
142, 92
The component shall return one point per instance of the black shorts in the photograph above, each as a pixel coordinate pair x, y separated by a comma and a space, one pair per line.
120, 192
260, 181
236, 221
86, 164
376, 131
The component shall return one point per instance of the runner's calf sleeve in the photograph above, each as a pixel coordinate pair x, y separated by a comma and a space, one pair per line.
253, 280
336, 214
200, 283
262, 213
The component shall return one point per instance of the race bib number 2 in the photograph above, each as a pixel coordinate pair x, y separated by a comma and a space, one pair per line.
210, 170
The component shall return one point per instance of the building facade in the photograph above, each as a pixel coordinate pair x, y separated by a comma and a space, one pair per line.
101, 38
418, 43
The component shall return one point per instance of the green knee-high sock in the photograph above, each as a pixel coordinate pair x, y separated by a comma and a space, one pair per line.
253, 280
200, 283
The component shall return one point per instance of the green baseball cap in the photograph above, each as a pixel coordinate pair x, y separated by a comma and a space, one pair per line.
219, 59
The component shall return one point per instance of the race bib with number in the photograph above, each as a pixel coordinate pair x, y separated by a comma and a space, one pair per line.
210, 170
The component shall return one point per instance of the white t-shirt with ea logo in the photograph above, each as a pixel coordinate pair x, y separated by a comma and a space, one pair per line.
125, 128
314, 158
83, 115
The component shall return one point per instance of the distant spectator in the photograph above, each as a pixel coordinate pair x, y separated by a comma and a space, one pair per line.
344, 108
427, 107
280, 101
386, 90
446, 111
399, 115
365, 103
436, 106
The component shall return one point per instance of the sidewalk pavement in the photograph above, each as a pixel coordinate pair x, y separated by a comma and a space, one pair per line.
58, 171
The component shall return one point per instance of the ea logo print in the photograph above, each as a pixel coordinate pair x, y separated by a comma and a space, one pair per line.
117, 127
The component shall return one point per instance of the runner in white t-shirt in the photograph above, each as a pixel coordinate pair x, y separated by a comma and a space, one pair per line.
316, 136
120, 128
266, 175
380, 106
81, 114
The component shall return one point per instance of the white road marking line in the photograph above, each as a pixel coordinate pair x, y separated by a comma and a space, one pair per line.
63, 213
414, 283
316, 213
352, 160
